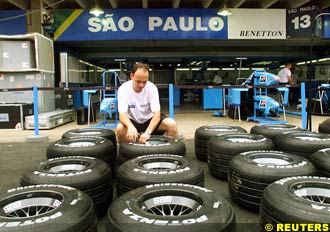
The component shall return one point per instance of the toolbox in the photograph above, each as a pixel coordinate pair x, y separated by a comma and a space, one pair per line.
12, 114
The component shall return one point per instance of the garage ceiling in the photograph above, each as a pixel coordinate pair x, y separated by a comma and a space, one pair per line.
214, 52
108, 4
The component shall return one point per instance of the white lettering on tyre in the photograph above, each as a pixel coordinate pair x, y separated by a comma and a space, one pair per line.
30, 221
142, 219
284, 180
40, 185
62, 174
178, 184
161, 172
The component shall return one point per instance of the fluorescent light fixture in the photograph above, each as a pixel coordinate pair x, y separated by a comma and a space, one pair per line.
314, 61
214, 69
96, 10
224, 11
182, 69
323, 59
263, 63
195, 69
228, 69
301, 63
84, 62
258, 69
244, 69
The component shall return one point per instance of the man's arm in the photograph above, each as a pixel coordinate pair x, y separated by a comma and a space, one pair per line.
152, 126
291, 82
132, 133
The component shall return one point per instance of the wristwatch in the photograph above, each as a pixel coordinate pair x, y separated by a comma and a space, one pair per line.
148, 132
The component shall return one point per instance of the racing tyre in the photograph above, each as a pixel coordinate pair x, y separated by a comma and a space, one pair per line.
324, 127
95, 132
204, 133
321, 160
272, 130
90, 175
301, 199
251, 172
170, 207
47, 208
96, 147
222, 148
152, 169
302, 143
157, 144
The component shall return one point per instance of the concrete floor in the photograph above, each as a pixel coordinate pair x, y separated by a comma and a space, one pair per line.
17, 155
187, 122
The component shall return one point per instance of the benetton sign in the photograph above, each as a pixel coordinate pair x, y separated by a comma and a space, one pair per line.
257, 24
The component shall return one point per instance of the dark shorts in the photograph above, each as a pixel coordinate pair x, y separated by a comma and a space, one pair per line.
143, 127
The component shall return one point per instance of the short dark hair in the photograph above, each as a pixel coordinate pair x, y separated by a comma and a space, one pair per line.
138, 66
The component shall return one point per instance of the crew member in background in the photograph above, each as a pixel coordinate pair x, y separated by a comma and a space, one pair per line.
285, 75
217, 79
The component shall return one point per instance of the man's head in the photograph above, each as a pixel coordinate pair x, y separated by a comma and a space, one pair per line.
288, 65
139, 76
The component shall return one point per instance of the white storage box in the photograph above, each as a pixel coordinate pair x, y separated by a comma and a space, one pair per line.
51, 119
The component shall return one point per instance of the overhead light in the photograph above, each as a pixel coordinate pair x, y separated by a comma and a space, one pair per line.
301, 63
323, 59
96, 10
224, 11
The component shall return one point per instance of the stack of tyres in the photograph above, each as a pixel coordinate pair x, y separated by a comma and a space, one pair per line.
47, 208
158, 168
170, 207
157, 144
97, 132
222, 148
96, 147
321, 160
251, 172
204, 133
273, 130
90, 175
296, 201
303, 143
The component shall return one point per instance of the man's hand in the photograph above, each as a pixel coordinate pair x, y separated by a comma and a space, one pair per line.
144, 137
132, 134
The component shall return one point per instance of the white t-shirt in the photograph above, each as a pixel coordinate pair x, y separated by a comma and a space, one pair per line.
138, 106
283, 74
217, 79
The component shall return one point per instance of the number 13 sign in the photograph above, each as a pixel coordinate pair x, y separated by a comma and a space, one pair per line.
299, 21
